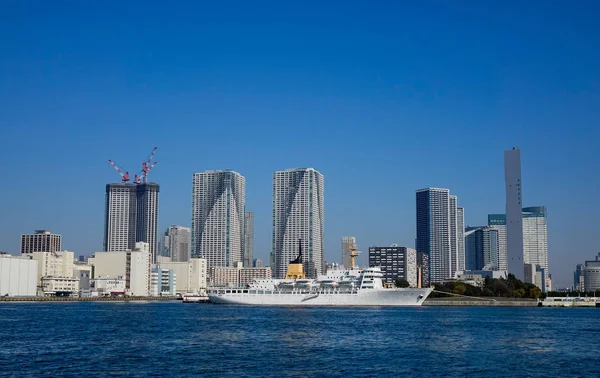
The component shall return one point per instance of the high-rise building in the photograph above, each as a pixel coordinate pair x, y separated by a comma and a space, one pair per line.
41, 241
578, 283
347, 242
437, 232
514, 215
460, 227
535, 236
591, 275
131, 216
482, 248
218, 208
498, 223
176, 243
248, 239
395, 262
298, 215
258, 263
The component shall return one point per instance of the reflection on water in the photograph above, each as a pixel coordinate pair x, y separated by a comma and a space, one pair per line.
175, 339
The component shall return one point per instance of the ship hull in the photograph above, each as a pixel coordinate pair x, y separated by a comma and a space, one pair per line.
385, 297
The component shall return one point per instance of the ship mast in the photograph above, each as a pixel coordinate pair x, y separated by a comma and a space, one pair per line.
353, 255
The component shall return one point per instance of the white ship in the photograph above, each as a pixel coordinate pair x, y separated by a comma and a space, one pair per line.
352, 287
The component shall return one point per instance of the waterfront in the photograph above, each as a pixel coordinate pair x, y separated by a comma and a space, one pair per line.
174, 339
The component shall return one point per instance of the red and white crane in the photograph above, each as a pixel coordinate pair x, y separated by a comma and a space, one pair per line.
124, 175
147, 166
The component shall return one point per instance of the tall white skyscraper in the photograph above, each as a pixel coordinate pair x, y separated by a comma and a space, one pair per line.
514, 215
535, 237
298, 211
460, 228
177, 243
437, 232
131, 216
347, 242
248, 239
218, 202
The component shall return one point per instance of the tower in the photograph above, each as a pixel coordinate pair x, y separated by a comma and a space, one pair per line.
514, 215
248, 239
298, 212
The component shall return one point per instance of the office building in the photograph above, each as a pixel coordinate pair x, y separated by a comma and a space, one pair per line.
18, 276
131, 216
176, 244
591, 275
395, 262
460, 227
578, 282
248, 239
537, 275
191, 275
298, 212
535, 236
347, 243
163, 282
514, 215
133, 265
498, 223
437, 232
218, 203
482, 248
41, 241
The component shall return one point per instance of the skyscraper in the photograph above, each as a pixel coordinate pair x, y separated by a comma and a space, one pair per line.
41, 241
437, 231
514, 215
498, 223
248, 239
218, 203
298, 214
177, 243
131, 216
482, 248
460, 227
347, 242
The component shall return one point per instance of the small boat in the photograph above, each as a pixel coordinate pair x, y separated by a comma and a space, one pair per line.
194, 298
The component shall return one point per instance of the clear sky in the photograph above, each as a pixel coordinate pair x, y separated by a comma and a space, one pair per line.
382, 97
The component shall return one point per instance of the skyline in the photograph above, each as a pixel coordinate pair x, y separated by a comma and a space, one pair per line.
382, 99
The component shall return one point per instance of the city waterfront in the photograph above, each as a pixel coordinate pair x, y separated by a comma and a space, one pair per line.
173, 339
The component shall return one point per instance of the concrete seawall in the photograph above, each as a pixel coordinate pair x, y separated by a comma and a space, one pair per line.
480, 302
85, 299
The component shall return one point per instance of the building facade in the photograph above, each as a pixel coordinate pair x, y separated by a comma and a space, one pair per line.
482, 248
498, 223
191, 275
163, 282
176, 243
591, 275
514, 216
18, 276
131, 216
347, 243
298, 214
248, 275
578, 282
41, 241
248, 239
53, 264
218, 211
437, 232
460, 227
395, 262
258, 263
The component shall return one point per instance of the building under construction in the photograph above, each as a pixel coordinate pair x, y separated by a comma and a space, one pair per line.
131, 212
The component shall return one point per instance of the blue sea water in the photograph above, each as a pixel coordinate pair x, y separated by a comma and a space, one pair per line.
176, 339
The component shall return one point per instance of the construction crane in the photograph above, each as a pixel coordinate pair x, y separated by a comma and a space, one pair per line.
124, 176
147, 166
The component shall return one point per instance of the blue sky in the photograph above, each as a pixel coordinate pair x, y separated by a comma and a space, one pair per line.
383, 98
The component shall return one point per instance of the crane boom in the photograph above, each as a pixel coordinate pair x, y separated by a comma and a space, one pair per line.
124, 175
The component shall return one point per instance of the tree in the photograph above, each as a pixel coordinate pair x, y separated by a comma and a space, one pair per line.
520, 293
401, 283
459, 289
535, 292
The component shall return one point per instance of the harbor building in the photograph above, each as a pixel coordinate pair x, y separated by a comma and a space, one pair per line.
591, 275
176, 244
163, 282
395, 262
133, 265
437, 232
59, 286
347, 243
106, 286
53, 264
218, 211
482, 248
298, 214
41, 241
18, 276
514, 216
248, 239
131, 216
191, 275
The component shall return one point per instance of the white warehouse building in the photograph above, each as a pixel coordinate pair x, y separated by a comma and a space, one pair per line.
18, 276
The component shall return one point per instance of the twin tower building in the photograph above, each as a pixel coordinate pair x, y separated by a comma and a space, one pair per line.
221, 229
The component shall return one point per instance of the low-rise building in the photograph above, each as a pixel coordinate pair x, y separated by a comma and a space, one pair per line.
53, 264
395, 262
60, 286
106, 286
224, 276
248, 275
477, 277
18, 276
162, 282
191, 276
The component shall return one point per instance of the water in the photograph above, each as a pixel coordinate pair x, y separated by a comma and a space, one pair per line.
176, 339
